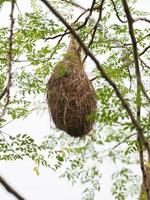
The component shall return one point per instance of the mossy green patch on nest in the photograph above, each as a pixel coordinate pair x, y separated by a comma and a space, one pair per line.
70, 95
61, 70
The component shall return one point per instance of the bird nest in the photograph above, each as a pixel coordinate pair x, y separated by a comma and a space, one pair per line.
70, 95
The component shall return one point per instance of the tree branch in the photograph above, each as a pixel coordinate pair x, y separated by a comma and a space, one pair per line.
95, 26
141, 19
146, 48
10, 189
9, 62
140, 86
141, 155
144, 64
89, 15
66, 32
75, 4
116, 11
138, 97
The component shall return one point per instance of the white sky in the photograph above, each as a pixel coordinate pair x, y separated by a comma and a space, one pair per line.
20, 174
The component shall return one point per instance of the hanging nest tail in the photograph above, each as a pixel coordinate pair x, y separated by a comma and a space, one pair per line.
70, 94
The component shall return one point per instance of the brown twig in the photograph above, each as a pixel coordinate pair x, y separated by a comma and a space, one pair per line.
6, 91
75, 4
10, 189
144, 50
141, 19
95, 26
93, 79
116, 11
66, 32
89, 15
123, 141
144, 64
141, 155
140, 86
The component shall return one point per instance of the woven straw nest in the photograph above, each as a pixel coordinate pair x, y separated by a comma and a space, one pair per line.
70, 94
143, 191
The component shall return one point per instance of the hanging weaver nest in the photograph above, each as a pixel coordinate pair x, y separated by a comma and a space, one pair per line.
70, 94
143, 191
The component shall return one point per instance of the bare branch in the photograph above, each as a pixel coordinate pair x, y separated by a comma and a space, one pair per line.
145, 93
66, 32
93, 79
10, 189
9, 62
59, 41
3, 93
146, 48
96, 26
117, 14
75, 4
89, 15
123, 141
145, 178
140, 86
141, 19
18, 8
138, 97
145, 64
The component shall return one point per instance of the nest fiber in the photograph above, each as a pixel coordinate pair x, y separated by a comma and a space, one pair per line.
70, 94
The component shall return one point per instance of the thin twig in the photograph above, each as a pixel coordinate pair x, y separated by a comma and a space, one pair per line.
59, 41
66, 32
145, 93
93, 79
95, 26
10, 189
89, 15
123, 141
141, 19
75, 4
146, 48
18, 8
6, 123
116, 11
3, 93
145, 64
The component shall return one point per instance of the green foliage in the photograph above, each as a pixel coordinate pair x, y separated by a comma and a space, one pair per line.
125, 184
